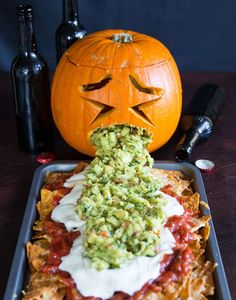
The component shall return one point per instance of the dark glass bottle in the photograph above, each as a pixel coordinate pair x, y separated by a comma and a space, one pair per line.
31, 86
70, 30
197, 125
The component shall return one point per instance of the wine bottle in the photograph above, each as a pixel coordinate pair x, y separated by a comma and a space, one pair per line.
70, 30
30, 78
197, 125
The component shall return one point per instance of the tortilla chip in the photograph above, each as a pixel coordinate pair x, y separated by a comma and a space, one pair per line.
191, 202
204, 204
38, 225
52, 177
205, 233
44, 287
202, 280
176, 178
187, 191
45, 206
196, 248
36, 254
80, 167
200, 222
196, 285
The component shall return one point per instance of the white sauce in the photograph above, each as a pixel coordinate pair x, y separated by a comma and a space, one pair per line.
172, 207
128, 278
75, 179
65, 211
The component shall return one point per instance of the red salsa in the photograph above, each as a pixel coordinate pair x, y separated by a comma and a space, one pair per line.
59, 246
173, 266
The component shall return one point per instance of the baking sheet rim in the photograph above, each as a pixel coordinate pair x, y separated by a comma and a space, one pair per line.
16, 278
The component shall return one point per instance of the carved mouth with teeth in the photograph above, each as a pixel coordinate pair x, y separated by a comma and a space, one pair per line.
138, 109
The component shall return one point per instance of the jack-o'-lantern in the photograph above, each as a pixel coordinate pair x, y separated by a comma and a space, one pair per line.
116, 77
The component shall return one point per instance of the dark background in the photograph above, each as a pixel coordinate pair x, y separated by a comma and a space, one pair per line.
201, 34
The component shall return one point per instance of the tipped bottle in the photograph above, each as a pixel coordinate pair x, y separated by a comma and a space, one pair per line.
197, 126
70, 30
30, 78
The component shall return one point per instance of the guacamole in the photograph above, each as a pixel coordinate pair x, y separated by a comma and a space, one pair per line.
123, 214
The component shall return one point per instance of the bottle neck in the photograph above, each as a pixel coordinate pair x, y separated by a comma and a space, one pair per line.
198, 132
70, 11
27, 42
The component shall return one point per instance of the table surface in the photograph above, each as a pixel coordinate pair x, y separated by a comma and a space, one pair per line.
17, 168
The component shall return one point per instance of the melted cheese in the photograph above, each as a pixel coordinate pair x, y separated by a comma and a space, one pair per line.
128, 278
65, 211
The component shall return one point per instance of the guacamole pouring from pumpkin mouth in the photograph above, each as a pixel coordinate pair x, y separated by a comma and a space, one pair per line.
123, 213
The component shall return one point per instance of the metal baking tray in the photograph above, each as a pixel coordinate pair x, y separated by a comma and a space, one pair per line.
16, 280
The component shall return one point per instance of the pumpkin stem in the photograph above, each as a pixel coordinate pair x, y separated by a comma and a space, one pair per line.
122, 37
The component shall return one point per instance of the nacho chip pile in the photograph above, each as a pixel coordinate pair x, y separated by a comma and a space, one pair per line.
52, 241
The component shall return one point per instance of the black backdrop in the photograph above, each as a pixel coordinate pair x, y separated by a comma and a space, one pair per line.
201, 34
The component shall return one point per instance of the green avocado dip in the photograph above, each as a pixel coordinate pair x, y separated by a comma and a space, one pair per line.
122, 212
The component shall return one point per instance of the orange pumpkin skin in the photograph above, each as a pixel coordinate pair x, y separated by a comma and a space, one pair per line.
99, 82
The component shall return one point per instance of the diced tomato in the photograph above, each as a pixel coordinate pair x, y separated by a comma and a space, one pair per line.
104, 233
182, 263
180, 227
167, 190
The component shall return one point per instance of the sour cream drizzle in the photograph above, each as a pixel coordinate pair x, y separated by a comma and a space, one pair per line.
130, 277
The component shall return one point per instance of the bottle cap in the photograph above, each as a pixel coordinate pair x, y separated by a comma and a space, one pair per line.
45, 157
23, 10
204, 165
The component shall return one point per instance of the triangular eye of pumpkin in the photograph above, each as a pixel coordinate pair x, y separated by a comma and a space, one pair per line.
96, 85
99, 109
143, 108
142, 87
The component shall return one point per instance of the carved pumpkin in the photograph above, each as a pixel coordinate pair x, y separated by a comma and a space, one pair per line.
111, 77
